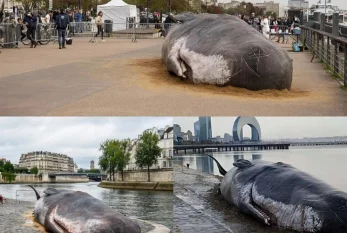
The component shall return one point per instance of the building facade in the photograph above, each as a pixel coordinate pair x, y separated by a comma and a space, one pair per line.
196, 131
166, 137
227, 138
92, 165
205, 128
47, 161
298, 4
269, 7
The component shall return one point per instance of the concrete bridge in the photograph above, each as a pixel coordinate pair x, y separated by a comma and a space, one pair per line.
318, 143
201, 148
91, 176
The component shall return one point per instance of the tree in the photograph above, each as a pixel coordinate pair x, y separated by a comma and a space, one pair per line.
32, 4
122, 154
147, 151
116, 155
8, 167
34, 170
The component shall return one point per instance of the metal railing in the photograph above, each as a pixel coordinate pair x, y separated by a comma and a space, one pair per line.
330, 50
11, 35
22, 190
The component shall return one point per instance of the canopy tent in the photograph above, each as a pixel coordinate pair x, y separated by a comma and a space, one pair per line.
117, 11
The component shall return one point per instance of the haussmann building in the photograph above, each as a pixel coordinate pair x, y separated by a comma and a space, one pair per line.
47, 162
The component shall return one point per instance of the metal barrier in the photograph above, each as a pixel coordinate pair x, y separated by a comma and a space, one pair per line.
21, 191
11, 35
329, 49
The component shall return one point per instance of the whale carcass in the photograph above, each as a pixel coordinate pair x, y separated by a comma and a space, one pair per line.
78, 212
281, 195
224, 50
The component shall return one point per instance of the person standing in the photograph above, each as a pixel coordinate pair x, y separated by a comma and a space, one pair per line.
99, 24
62, 22
266, 27
30, 22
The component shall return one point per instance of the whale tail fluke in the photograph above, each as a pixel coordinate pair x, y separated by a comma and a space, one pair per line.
36, 193
220, 168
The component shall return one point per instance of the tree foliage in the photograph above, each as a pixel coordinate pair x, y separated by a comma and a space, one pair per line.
7, 171
115, 156
147, 151
34, 170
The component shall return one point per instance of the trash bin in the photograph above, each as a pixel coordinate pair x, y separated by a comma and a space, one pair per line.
108, 26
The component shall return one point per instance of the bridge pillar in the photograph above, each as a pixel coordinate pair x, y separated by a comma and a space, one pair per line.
218, 149
185, 151
203, 150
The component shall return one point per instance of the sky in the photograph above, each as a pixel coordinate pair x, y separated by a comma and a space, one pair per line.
276, 127
341, 3
78, 138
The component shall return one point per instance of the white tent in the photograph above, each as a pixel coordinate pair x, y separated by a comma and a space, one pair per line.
117, 11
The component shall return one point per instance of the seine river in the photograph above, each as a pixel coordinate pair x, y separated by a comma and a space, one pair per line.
155, 206
326, 163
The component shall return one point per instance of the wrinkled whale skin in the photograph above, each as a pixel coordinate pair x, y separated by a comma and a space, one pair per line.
78, 212
279, 194
225, 50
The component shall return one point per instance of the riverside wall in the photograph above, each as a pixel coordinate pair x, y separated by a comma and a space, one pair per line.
160, 180
156, 175
31, 178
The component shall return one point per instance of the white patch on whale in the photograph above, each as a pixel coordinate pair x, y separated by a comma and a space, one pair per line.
205, 69
294, 217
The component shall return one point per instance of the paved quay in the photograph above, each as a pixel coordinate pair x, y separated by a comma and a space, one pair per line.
123, 78
17, 218
198, 207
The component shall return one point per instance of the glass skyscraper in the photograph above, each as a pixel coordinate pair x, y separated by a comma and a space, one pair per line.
197, 130
205, 128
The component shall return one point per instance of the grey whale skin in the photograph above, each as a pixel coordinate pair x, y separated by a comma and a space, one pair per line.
279, 194
224, 50
65, 211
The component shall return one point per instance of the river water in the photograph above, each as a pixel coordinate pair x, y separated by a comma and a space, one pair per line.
326, 163
155, 206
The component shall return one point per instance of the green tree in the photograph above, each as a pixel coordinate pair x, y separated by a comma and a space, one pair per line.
122, 154
21, 170
8, 167
105, 158
34, 170
147, 151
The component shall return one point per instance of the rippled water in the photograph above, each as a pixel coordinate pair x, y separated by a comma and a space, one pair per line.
153, 206
326, 163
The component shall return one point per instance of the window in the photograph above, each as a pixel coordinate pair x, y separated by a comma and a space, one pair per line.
164, 164
170, 163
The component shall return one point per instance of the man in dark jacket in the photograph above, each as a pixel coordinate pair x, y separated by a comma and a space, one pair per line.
62, 22
30, 22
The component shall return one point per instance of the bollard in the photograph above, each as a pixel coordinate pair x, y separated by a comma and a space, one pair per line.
322, 22
336, 22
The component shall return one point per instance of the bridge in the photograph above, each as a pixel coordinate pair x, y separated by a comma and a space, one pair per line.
91, 176
318, 143
201, 148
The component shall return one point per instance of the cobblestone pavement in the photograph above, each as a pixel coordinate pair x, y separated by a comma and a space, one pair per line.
198, 208
13, 220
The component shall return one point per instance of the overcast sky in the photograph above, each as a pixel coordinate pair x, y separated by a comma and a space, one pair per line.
78, 138
341, 3
276, 127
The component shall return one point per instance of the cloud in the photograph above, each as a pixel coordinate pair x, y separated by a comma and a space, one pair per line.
78, 137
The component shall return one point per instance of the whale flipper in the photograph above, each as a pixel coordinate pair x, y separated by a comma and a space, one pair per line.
51, 191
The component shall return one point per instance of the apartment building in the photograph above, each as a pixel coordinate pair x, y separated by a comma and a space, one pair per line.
47, 161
